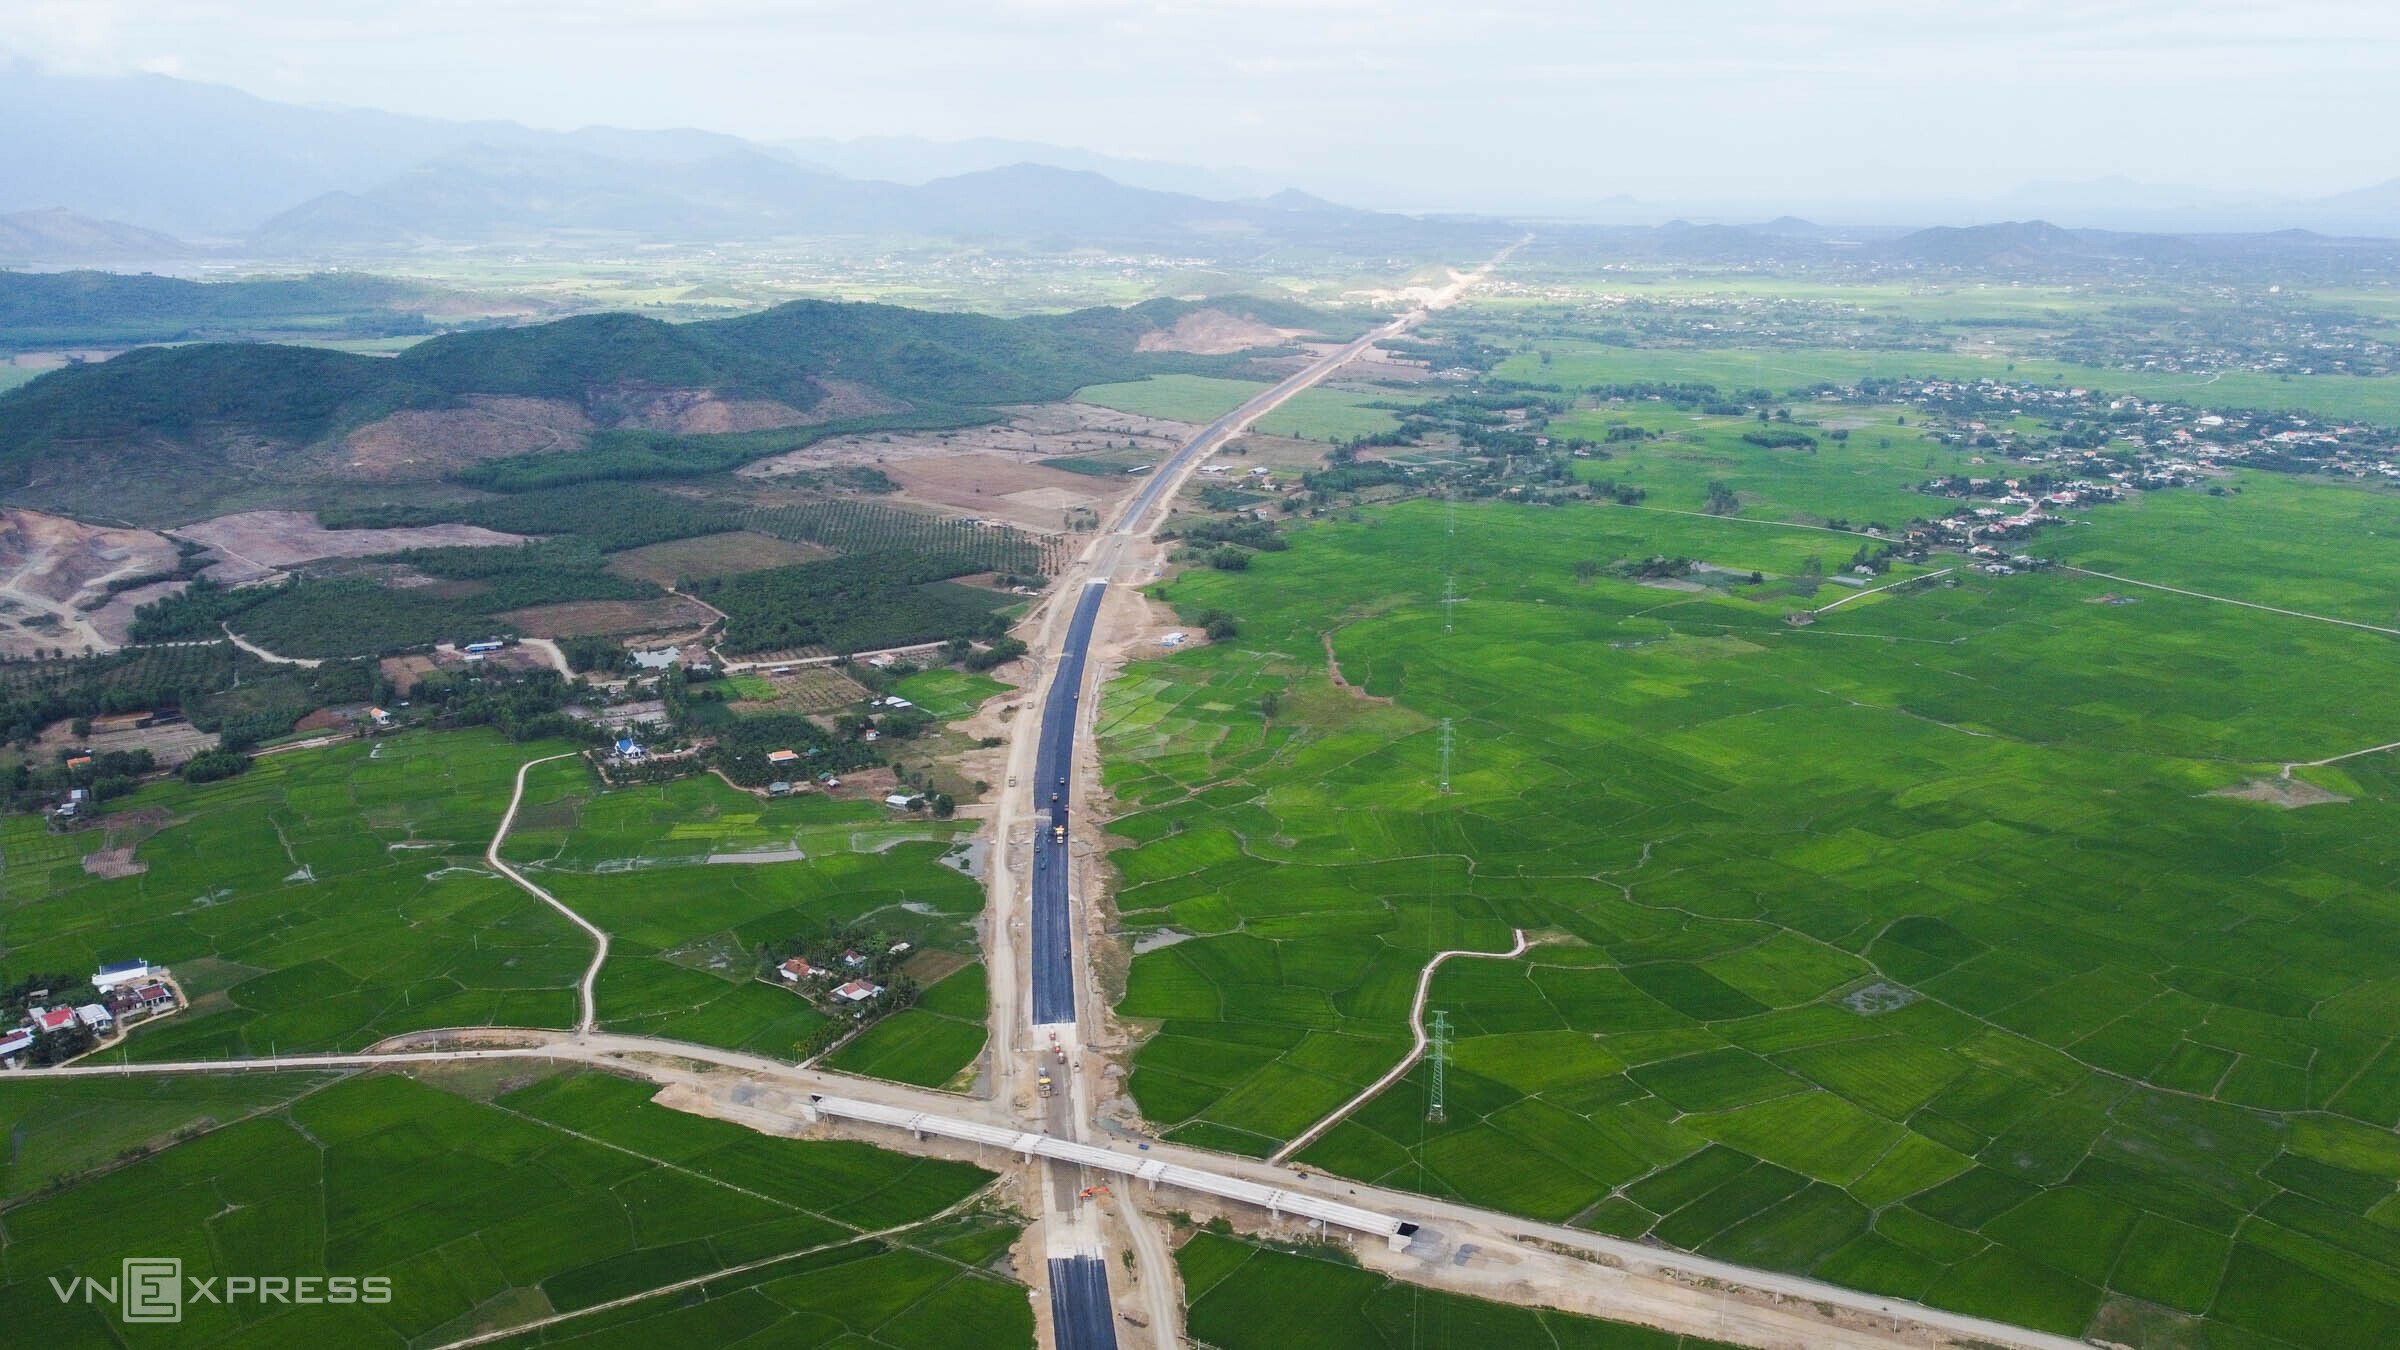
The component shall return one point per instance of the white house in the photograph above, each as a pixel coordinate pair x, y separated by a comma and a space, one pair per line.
858, 991
96, 1017
116, 974
15, 1042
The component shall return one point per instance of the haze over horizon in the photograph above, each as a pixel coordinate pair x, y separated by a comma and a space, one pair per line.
1707, 107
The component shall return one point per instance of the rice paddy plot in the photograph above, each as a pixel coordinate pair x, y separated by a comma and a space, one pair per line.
949, 694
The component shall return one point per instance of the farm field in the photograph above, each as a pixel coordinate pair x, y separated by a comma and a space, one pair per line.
806, 689
323, 900
61, 1128
1243, 1296
1870, 476
1573, 366
552, 1196
1322, 413
710, 555
1898, 949
685, 934
949, 694
1178, 398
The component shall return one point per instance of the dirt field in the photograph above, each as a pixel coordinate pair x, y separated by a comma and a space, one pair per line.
169, 745
405, 671
1379, 365
711, 555
1275, 452
257, 544
2289, 793
991, 470
428, 442
609, 618
808, 689
1003, 488
1213, 332
50, 564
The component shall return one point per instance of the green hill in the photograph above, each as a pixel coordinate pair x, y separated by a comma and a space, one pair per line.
254, 423
48, 310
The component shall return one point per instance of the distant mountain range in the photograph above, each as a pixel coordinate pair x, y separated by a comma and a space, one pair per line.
124, 170
60, 236
129, 166
484, 194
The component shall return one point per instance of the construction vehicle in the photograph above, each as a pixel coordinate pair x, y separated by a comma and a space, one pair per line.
1041, 1082
1090, 1191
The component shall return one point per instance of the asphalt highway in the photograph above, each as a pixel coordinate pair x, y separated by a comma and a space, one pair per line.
1079, 1311
1053, 955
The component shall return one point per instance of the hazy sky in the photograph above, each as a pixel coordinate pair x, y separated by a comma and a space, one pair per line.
1691, 99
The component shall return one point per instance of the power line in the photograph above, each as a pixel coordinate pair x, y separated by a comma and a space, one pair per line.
1446, 742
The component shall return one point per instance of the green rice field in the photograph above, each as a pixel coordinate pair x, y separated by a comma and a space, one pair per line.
552, 1197
1911, 949
323, 900
685, 931
1323, 413
1243, 1296
949, 694
1779, 369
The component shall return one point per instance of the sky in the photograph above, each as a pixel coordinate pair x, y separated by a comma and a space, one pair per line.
1500, 104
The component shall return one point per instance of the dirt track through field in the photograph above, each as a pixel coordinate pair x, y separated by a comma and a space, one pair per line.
1416, 1051
591, 975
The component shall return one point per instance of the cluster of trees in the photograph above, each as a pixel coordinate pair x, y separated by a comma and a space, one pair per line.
521, 705
346, 616
858, 602
743, 744
1778, 438
34, 786
350, 616
210, 766
35, 693
588, 654
1247, 531
518, 576
852, 526
1699, 395
606, 516
998, 652
1722, 500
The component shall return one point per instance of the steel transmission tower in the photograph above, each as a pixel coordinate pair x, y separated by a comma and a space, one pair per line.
1441, 1063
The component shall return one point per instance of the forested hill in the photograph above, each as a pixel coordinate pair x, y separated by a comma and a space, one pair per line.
52, 309
218, 409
